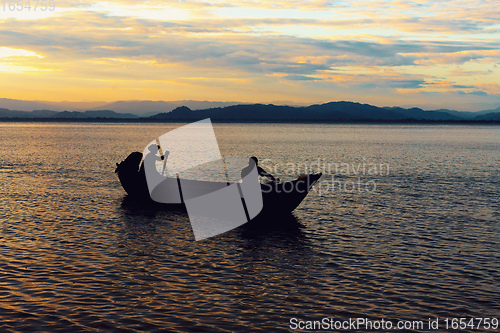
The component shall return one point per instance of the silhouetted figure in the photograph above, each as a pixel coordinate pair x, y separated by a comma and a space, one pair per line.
149, 162
263, 173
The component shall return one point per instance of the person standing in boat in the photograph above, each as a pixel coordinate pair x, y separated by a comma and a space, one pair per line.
260, 171
150, 160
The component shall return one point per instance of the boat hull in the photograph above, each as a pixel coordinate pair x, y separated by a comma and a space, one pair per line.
278, 198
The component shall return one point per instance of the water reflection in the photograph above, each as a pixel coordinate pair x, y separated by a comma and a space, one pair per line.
133, 206
160, 229
287, 227
78, 256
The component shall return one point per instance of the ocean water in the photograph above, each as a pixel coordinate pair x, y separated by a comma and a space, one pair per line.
404, 226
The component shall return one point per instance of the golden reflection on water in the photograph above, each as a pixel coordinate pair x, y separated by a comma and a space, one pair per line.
77, 256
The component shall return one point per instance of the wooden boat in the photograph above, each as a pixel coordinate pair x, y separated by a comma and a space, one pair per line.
278, 198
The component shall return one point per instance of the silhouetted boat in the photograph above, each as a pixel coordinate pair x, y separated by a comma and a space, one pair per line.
278, 198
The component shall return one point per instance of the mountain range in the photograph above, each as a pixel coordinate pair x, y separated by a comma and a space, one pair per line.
232, 111
333, 111
140, 108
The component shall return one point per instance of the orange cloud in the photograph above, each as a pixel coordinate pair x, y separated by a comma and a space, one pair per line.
252, 50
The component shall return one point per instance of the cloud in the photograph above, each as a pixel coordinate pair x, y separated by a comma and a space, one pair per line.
301, 78
475, 92
256, 48
463, 72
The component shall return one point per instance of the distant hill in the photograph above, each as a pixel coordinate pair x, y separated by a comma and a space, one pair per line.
49, 114
200, 105
42, 114
94, 114
148, 108
419, 114
20, 105
141, 108
327, 112
235, 112
75, 106
333, 111
489, 116
468, 114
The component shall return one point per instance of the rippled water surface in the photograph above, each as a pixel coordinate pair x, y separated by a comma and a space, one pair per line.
415, 240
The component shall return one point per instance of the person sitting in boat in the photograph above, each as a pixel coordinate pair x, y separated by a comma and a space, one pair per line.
260, 171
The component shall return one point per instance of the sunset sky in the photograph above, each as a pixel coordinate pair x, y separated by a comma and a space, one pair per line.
409, 53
